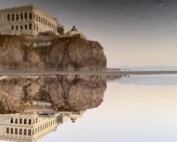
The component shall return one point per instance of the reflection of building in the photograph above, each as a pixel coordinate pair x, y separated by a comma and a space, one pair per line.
65, 116
31, 127
39, 107
26, 127
26, 20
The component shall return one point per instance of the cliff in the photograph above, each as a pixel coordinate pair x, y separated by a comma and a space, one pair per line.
18, 52
65, 93
71, 93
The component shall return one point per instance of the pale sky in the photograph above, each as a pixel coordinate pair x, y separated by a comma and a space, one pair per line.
132, 32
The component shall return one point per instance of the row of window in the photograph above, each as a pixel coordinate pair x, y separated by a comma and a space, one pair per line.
29, 16
44, 126
22, 121
44, 21
18, 131
28, 132
23, 27
18, 17
26, 27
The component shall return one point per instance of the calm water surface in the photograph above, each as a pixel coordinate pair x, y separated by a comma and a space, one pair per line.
134, 109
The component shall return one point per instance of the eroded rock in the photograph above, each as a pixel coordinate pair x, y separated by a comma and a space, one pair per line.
64, 93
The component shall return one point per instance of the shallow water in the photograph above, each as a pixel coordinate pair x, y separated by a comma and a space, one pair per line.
134, 109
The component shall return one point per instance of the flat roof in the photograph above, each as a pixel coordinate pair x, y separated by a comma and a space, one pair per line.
29, 6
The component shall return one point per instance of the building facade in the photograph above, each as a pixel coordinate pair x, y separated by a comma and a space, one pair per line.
26, 127
28, 20
30, 127
65, 116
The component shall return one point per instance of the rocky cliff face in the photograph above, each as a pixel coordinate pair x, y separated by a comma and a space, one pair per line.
72, 93
17, 52
65, 93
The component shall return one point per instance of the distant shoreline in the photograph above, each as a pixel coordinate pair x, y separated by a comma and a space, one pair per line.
111, 72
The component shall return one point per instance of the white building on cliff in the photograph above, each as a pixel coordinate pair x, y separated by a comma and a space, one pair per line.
26, 19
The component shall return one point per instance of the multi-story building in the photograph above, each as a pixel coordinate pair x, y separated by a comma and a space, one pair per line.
26, 19
30, 127
26, 127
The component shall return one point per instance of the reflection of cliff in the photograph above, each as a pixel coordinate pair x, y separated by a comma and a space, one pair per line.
16, 52
71, 93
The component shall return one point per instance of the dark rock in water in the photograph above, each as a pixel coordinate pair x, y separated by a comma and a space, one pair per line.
65, 93
18, 53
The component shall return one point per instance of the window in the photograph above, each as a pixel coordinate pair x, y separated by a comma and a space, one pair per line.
11, 130
17, 17
25, 119
29, 132
25, 132
39, 19
42, 20
21, 27
11, 121
26, 16
45, 22
30, 16
29, 121
35, 29
21, 16
36, 17
8, 17
20, 131
7, 130
13, 17
26, 27
36, 130
16, 120
30, 27
16, 131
